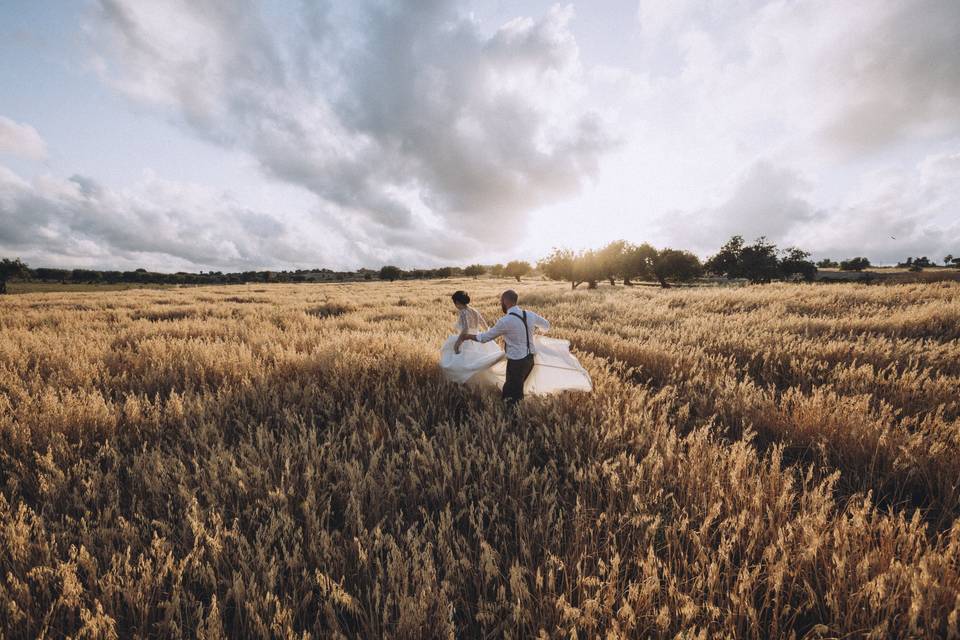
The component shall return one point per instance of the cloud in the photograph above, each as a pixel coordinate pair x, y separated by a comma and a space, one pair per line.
767, 200
814, 123
425, 136
155, 223
853, 79
412, 126
21, 140
893, 215
900, 73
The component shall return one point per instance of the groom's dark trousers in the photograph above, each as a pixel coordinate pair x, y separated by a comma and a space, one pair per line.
517, 372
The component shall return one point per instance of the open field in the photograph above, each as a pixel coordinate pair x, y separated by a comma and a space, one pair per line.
287, 461
894, 275
70, 287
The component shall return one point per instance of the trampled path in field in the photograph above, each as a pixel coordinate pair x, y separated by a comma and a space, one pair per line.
265, 461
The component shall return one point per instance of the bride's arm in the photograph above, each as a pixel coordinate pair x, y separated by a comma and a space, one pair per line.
464, 329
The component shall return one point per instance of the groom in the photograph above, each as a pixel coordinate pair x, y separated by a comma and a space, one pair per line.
516, 327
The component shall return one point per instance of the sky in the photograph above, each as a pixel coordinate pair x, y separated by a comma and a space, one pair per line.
236, 135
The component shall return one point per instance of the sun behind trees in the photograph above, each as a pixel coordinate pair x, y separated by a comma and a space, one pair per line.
621, 260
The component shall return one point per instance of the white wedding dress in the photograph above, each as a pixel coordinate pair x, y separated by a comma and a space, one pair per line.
555, 369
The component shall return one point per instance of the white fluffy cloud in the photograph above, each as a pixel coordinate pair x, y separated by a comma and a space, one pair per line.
766, 201
416, 133
411, 126
154, 223
817, 122
894, 214
889, 216
20, 139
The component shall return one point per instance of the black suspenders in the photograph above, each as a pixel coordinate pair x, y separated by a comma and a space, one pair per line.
526, 329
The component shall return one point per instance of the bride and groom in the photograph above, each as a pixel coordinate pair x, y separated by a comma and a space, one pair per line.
530, 364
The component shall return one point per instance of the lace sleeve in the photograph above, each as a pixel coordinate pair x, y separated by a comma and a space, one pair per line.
462, 324
481, 322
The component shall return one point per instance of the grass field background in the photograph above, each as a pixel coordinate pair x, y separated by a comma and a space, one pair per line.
287, 461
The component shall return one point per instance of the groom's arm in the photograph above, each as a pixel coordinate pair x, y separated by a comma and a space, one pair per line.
489, 334
540, 321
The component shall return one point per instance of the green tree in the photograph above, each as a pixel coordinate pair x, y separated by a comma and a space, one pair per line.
674, 265
474, 270
586, 268
517, 269
558, 265
756, 262
496, 270
86, 275
639, 263
612, 260
726, 262
759, 261
48, 275
390, 272
828, 263
796, 262
854, 264
11, 269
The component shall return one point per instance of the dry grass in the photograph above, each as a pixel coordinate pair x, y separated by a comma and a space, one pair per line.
287, 461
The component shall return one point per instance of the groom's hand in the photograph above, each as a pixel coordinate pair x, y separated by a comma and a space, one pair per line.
461, 340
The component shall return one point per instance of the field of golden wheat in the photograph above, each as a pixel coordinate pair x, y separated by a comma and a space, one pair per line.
287, 461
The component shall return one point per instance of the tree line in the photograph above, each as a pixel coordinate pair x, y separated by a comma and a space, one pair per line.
15, 269
758, 262
513, 269
621, 260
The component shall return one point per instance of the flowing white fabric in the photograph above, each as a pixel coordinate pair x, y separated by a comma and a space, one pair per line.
475, 360
555, 369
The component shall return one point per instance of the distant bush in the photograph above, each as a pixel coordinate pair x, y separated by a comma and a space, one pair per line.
390, 273
474, 270
329, 310
11, 269
855, 264
517, 269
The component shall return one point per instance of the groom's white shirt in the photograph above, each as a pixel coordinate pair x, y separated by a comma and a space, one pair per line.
514, 331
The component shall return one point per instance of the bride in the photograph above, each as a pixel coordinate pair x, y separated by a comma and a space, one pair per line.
474, 361
465, 360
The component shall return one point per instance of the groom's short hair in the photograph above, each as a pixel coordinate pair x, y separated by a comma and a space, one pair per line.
511, 296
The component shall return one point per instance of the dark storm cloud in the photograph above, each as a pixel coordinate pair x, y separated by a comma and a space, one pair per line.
403, 117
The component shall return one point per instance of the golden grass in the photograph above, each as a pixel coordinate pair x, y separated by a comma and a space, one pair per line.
287, 461
70, 287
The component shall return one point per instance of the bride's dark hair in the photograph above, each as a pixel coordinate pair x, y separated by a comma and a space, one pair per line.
461, 297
